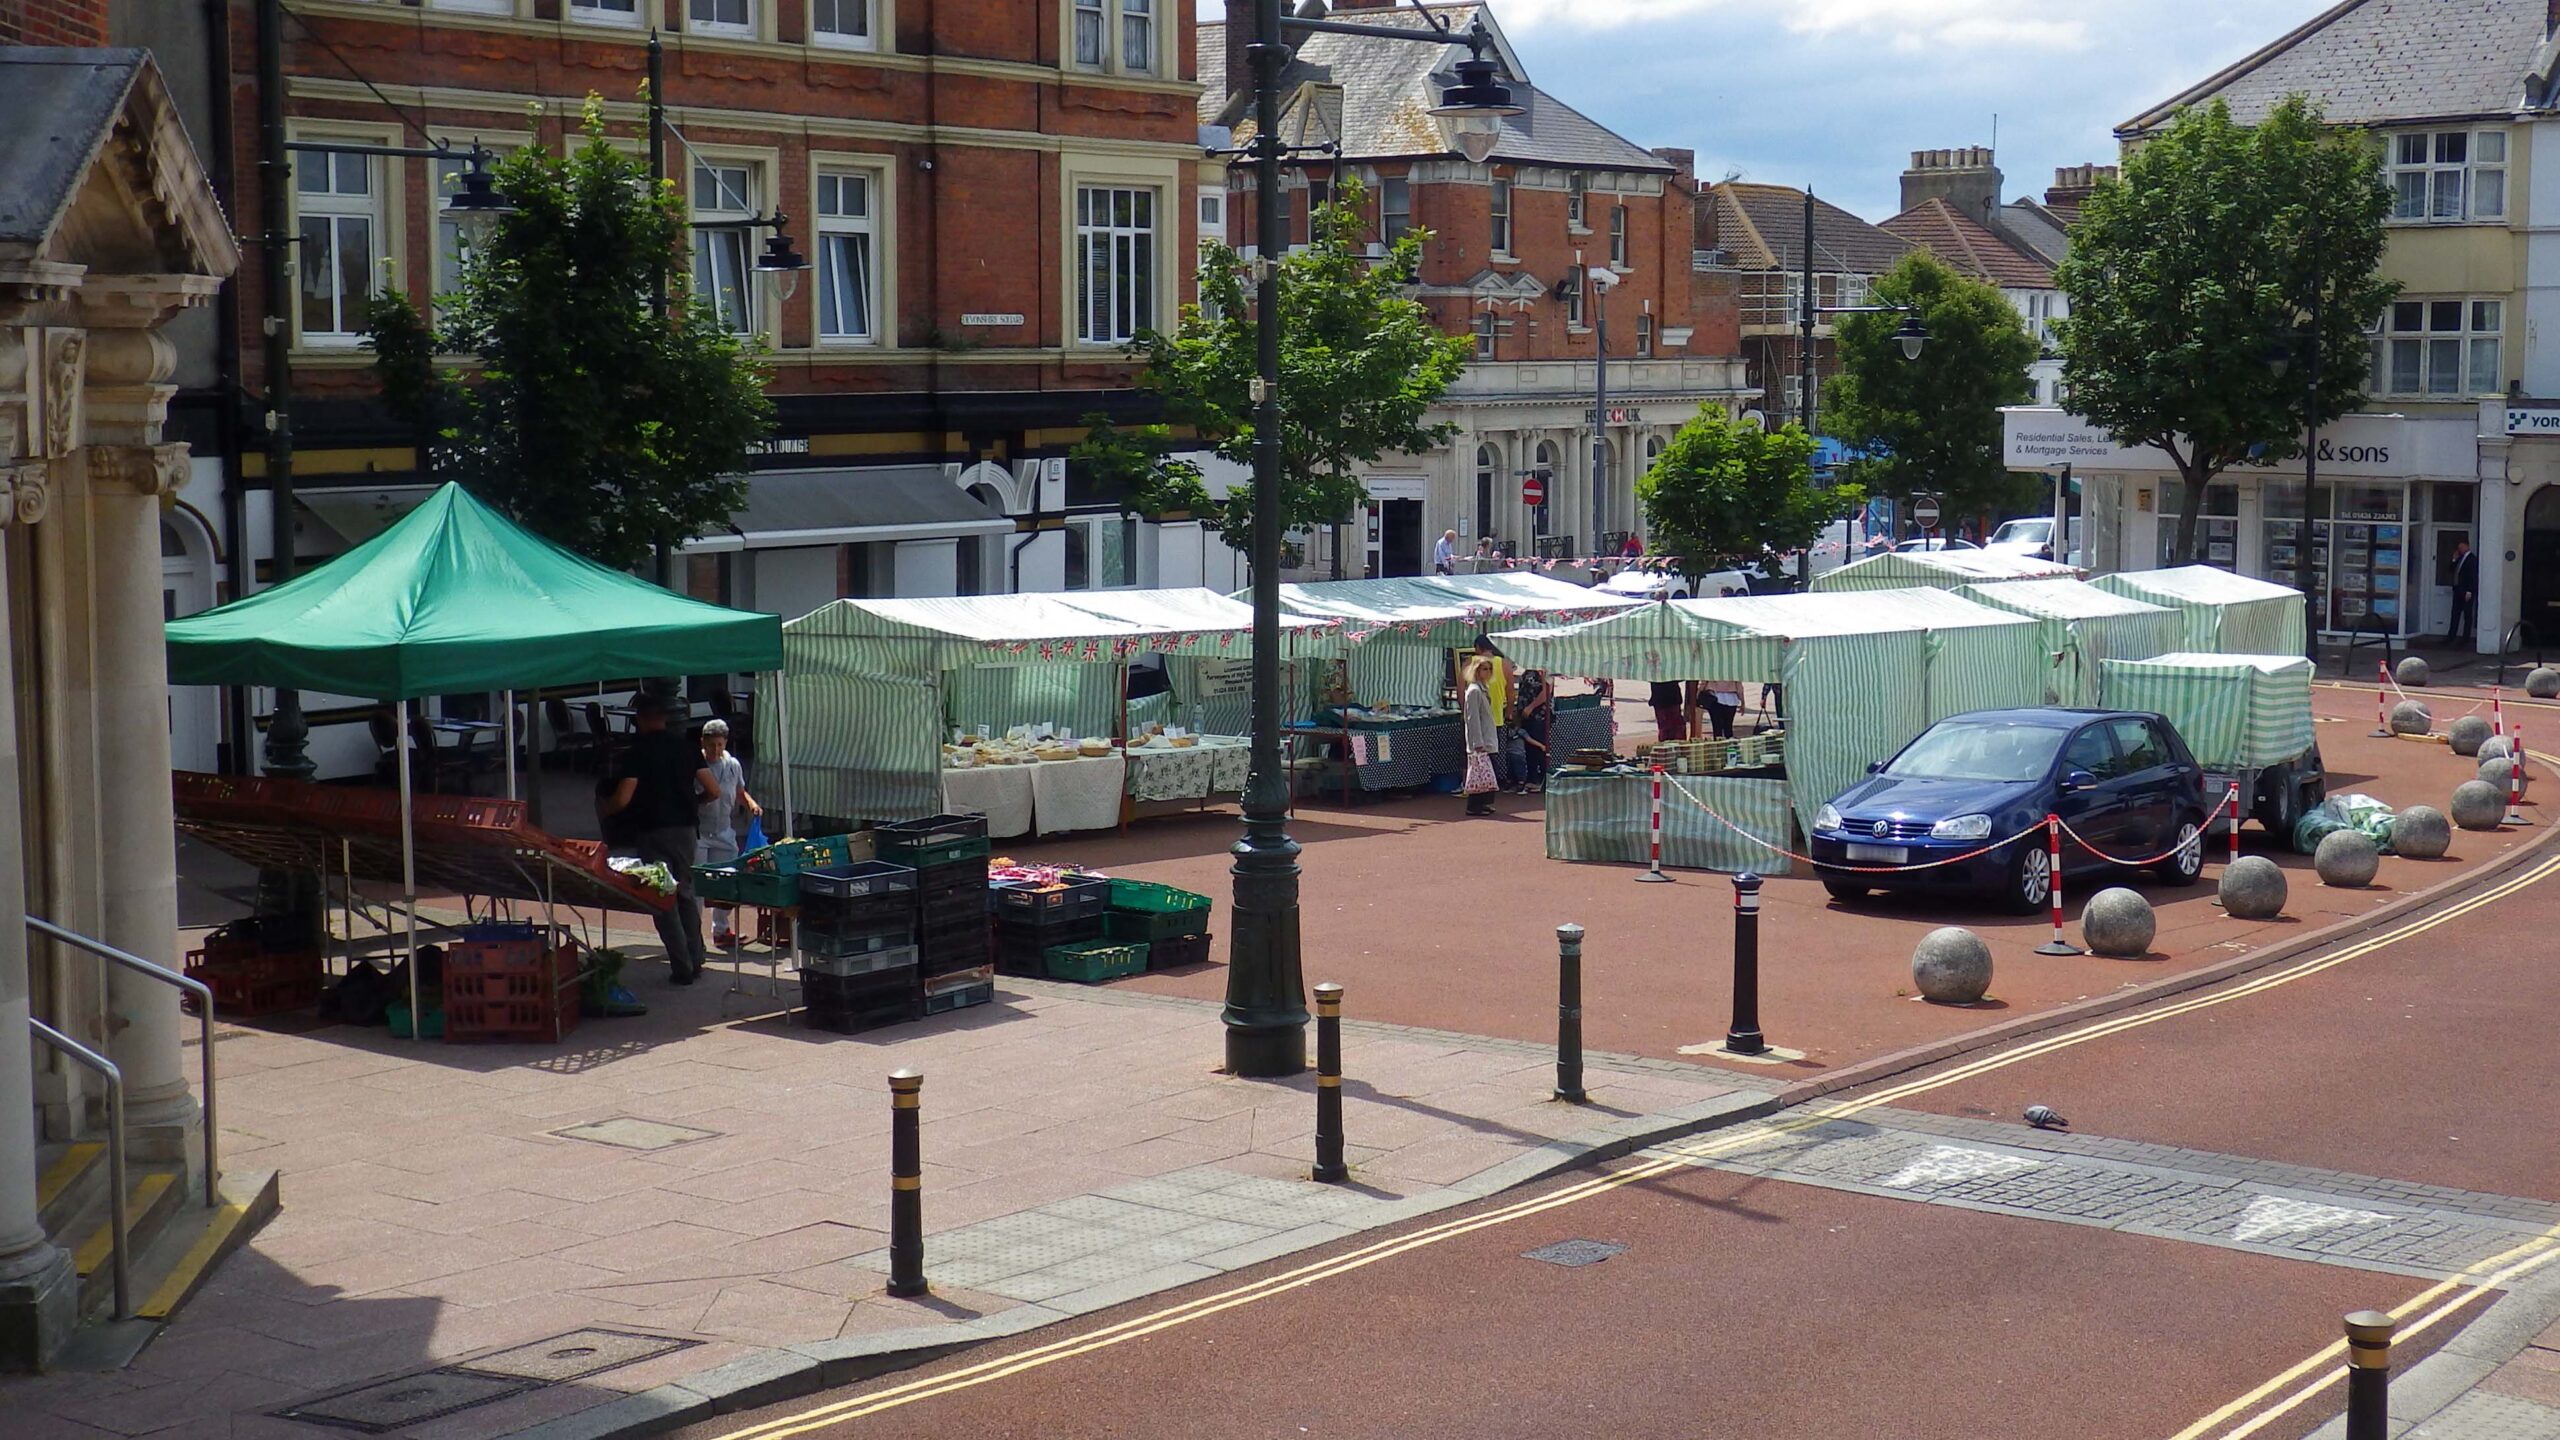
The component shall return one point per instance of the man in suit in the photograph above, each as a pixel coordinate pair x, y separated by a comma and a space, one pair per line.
2466, 594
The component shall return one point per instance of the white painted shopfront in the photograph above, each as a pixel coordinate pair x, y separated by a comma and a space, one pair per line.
2397, 493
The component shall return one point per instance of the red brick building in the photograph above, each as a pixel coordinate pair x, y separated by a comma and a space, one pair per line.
1513, 242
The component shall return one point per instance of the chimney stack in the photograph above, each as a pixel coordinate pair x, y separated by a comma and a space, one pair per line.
1964, 177
1686, 161
2073, 183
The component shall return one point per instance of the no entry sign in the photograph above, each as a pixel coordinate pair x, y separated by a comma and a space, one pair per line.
1924, 512
1533, 491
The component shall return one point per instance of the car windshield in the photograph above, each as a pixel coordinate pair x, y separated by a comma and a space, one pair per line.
2024, 531
1979, 751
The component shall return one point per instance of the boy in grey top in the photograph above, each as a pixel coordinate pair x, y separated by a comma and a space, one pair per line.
716, 824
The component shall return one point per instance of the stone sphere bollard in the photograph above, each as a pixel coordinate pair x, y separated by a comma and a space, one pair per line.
2543, 683
2478, 805
2422, 833
2494, 772
2411, 671
2347, 859
1951, 966
2410, 718
2118, 923
2468, 734
2494, 748
2254, 888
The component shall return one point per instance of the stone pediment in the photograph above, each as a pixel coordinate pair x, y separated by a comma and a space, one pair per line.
1492, 287
107, 182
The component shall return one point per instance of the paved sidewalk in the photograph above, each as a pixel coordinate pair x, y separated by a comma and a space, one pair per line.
2497, 1380
700, 1196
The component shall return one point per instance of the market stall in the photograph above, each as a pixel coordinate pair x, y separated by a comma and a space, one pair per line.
1012, 705
1863, 673
1940, 569
455, 598
2083, 626
1606, 815
2236, 712
1399, 639
2225, 613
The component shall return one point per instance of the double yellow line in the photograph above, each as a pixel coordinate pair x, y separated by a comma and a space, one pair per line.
1665, 1160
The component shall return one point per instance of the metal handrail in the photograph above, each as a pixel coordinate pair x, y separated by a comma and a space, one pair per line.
116, 1204
2513, 643
204, 1017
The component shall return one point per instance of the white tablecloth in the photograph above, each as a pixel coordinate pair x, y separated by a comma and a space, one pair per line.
1078, 794
1001, 792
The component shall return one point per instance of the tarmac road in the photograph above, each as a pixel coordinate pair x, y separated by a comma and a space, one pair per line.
1741, 1309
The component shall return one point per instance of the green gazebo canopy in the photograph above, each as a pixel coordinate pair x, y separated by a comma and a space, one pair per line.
456, 598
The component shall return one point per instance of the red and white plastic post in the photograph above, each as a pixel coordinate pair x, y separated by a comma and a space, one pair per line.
2515, 779
2498, 711
2233, 799
2053, 886
1653, 858
2382, 702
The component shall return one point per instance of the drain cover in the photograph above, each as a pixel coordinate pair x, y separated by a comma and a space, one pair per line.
1571, 1253
629, 1134
575, 1355
388, 1405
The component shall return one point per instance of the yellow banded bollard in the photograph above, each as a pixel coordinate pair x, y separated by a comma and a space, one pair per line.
2368, 1375
1329, 1166
906, 1183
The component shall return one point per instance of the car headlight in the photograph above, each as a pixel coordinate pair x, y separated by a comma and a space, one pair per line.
1962, 827
1826, 818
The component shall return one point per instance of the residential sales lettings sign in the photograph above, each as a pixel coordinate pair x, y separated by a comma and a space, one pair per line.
2533, 420
2041, 438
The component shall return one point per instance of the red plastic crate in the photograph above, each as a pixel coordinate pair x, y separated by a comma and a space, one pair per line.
246, 987
510, 1006
477, 813
477, 957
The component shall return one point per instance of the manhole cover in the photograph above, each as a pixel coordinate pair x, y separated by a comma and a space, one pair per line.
575, 1355
630, 1134
1573, 1252
387, 1405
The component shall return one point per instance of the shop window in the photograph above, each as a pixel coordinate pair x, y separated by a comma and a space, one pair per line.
1115, 263
2446, 177
339, 228
2443, 347
1501, 213
724, 197
1102, 552
843, 24
847, 273
2217, 527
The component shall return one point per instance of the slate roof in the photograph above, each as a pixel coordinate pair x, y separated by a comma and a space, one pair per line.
57, 107
1762, 227
2040, 226
1388, 88
1969, 246
2376, 62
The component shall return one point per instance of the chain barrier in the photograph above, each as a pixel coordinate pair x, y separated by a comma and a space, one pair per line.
2195, 843
1711, 814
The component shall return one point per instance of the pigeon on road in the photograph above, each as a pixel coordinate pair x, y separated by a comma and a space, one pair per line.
2043, 1118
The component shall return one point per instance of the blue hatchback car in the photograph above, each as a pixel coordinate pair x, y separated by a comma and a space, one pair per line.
2122, 780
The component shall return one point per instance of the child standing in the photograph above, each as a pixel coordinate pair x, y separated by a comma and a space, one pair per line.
716, 826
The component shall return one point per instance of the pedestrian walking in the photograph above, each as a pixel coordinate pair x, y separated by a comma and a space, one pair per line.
1444, 556
1537, 704
2466, 594
659, 780
1481, 739
1670, 711
716, 821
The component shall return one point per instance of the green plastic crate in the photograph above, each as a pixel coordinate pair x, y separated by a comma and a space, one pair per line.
926, 857
1096, 960
790, 857
1125, 926
746, 887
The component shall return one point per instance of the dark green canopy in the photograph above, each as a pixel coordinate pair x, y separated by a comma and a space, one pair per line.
457, 598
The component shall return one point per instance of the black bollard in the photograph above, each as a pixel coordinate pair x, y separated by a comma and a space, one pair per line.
1329, 1166
1569, 1015
1744, 1038
2368, 1375
906, 1183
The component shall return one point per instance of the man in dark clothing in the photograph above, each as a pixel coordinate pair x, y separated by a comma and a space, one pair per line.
658, 782
2466, 594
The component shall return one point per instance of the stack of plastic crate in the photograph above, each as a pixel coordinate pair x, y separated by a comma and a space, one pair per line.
1032, 920
258, 966
954, 949
857, 945
508, 981
1172, 923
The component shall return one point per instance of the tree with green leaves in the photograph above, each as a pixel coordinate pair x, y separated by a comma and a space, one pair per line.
1361, 365
1725, 495
604, 406
2224, 248
1138, 467
1932, 423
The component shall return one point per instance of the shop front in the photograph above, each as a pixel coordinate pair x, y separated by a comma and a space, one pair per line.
2397, 495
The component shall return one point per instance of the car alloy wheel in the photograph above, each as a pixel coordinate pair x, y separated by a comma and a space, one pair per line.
2186, 863
2032, 876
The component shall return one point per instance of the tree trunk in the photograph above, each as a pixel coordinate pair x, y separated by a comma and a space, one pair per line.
2190, 506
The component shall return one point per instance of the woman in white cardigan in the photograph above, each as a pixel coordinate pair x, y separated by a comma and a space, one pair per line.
1482, 738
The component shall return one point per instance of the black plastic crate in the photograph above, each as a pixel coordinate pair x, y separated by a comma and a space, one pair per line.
934, 967
837, 944
1049, 922
853, 1020
931, 830
970, 905
1181, 950
1071, 900
901, 960
960, 999
866, 914
861, 880
822, 991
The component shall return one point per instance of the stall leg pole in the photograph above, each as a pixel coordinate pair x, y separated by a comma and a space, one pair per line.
510, 738
1653, 860
347, 897
2053, 886
409, 873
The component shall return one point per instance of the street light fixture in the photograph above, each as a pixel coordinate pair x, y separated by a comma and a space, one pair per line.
1266, 1009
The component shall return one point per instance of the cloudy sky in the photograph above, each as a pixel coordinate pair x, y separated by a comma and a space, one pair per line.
1838, 92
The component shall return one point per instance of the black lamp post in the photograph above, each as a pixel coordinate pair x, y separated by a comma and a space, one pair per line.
1266, 1010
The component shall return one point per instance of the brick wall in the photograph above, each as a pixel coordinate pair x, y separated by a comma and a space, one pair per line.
53, 22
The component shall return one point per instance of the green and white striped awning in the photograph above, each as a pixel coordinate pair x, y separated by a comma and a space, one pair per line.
1398, 632
1940, 569
2083, 626
2226, 614
2234, 710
